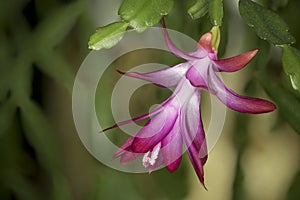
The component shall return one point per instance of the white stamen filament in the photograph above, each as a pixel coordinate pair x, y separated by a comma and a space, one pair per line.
151, 156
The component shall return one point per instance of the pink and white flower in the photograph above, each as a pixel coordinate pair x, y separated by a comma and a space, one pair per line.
177, 121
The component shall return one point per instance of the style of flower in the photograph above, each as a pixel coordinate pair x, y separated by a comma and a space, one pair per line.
177, 121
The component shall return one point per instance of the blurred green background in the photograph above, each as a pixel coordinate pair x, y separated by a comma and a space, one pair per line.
43, 43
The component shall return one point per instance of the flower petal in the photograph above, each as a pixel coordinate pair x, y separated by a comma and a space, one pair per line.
194, 126
168, 77
122, 123
173, 49
172, 148
125, 152
235, 101
235, 63
196, 162
193, 136
123, 148
195, 78
155, 130
142, 117
194, 157
128, 156
197, 73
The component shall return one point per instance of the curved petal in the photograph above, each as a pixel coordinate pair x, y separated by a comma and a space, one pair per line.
168, 77
125, 152
194, 156
128, 156
172, 148
173, 49
122, 123
235, 101
155, 130
123, 148
193, 136
197, 164
194, 126
195, 78
197, 74
235, 63
142, 117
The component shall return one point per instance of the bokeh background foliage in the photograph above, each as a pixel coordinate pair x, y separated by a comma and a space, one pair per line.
42, 44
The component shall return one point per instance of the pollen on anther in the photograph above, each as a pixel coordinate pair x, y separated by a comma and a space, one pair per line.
151, 156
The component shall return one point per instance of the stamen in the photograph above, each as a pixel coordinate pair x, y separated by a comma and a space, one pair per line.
146, 159
151, 156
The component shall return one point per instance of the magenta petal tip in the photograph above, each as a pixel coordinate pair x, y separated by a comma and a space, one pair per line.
235, 63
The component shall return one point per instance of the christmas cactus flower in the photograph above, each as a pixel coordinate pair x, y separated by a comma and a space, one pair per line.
177, 121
